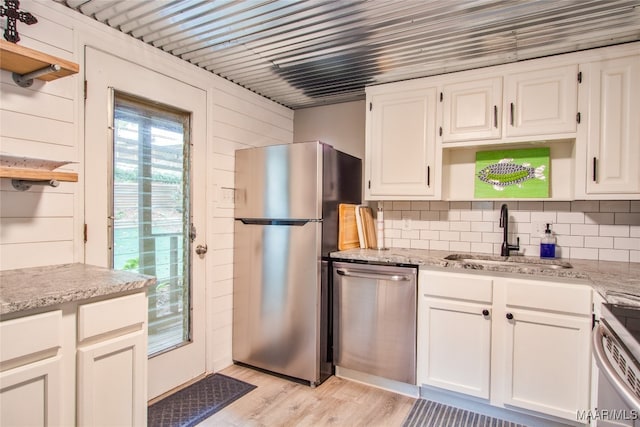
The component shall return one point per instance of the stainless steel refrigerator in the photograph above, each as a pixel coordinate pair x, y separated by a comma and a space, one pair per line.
286, 224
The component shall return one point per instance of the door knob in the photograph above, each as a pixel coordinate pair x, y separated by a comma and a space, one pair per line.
201, 249
485, 312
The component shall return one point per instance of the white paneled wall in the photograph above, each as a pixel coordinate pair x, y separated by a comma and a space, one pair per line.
38, 227
240, 120
595, 230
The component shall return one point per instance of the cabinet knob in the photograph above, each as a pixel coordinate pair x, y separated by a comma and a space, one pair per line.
509, 316
485, 312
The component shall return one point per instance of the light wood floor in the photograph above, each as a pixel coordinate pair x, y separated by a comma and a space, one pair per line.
336, 402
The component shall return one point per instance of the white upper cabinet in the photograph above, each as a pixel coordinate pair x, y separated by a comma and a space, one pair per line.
541, 102
613, 139
400, 145
472, 110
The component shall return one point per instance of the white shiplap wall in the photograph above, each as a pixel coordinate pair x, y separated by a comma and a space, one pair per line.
43, 226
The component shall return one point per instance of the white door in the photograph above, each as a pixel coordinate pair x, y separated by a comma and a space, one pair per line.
142, 199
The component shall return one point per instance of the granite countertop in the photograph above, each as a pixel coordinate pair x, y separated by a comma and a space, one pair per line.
41, 287
617, 282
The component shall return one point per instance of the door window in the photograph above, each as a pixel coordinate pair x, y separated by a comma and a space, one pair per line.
151, 211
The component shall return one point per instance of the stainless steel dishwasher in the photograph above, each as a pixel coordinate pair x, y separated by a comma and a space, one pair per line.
374, 327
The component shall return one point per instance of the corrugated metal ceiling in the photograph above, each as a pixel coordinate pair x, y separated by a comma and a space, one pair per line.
309, 53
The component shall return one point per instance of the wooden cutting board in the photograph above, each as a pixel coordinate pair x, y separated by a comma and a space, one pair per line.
347, 227
369, 227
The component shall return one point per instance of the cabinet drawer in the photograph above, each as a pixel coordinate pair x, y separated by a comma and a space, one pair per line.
110, 315
458, 286
31, 334
549, 296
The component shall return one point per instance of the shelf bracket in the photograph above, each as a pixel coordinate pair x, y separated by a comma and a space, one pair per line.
24, 185
26, 80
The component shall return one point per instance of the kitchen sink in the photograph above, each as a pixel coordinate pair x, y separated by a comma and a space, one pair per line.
515, 261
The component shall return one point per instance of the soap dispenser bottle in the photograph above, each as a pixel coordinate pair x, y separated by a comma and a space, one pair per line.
548, 244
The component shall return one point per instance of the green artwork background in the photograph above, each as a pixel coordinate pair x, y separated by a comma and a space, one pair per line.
532, 188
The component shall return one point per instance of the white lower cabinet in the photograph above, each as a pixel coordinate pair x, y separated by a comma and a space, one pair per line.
524, 347
463, 363
101, 346
112, 362
31, 370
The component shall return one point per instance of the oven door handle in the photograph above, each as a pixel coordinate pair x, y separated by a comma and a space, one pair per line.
607, 368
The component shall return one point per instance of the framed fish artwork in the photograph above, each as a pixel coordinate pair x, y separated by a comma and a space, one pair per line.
522, 173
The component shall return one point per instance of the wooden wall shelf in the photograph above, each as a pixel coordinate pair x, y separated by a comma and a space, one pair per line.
23, 60
37, 174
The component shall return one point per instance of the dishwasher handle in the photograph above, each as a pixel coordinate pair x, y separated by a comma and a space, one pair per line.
381, 276
599, 332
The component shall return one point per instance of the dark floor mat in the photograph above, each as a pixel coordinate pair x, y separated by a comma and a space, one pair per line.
200, 400
426, 413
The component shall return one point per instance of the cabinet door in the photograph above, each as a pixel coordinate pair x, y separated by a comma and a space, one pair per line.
454, 350
542, 102
471, 110
30, 395
613, 150
401, 147
548, 362
112, 381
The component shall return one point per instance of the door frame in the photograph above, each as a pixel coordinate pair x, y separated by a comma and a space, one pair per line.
102, 71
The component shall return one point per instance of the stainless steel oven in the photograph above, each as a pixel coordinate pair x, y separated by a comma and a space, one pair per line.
616, 350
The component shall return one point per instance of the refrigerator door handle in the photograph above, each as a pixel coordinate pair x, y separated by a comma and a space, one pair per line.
291, 222
392, 277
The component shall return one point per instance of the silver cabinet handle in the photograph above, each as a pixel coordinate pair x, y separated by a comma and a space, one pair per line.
608, 370
392, 277
201, 249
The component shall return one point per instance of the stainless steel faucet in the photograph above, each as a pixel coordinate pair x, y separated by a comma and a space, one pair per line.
504, 223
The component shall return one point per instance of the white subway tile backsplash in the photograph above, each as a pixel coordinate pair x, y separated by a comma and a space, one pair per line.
440, 225
626, 243
586, 206
613, 255
429, 235
607, 230
452, 236
460, 226
614, 230
584, 253
439, 245
598, 242
449, 215
481, 205
471, 237
474, 215
584, 230
482, 226
420, 244
615, 206
557, 206
483, 248
420, 206
460, 246
439, 206
627, 218
545, 217
599, 218
531, 206
430, 215
401, 206
570, 218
